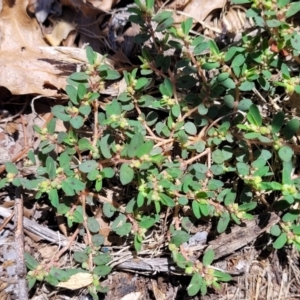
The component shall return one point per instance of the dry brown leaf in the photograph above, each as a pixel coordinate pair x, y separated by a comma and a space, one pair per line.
24, 69
198, 11
77, 281
133, 296
71, 55
63, 25
159, 295
47, 251
28, 65
60, 32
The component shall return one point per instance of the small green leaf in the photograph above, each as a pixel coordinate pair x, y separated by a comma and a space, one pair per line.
166, 88
195, 285
277, 122
11, 168
166, 200
286, 153
137, 243
98, 240
218, 157
293, 9
141, 82
126, 174
31, 263
31, 156
59, 275
93, 225
223, 222
76, 184
50, 167
31, 282
190, 128
273, 23
291, 216
124, 229
90, 55
252, 135
196, 209
77, 122
238, 60
113, 108
112, 75
248, 206
88, 166
93, 175
162, 16
179, 237
60, 113
280, 241
85, 110
108, 210
105, 145
80, 256
150, 4
296, 229
151, 118
81, 90
53, 196
222, 276
51, 126
208, 257
147, 222
135, 143
254, 116
247, 86
164, 24
79, 76
108, 172
187, 25
213, 47
102, 259
67, 188
144, 149
175, 110
200, 48
275, 230
102, 270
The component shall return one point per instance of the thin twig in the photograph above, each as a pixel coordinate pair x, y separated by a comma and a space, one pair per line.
6, 221
19, 242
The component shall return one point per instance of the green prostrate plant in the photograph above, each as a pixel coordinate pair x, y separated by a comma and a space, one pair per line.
203, 275
196, 135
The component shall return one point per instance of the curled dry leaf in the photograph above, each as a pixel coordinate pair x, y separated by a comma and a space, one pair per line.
198, 11
25, 67
133, 296
77, 281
